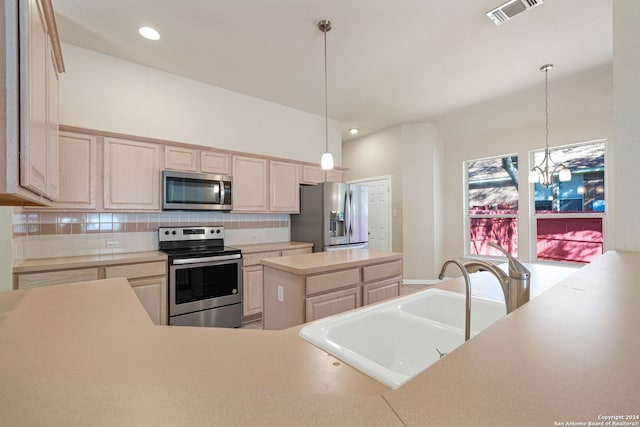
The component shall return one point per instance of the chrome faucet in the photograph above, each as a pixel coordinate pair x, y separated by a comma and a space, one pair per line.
467, 281
515, 286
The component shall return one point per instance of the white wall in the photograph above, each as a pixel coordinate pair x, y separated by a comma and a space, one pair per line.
626, 69
423, 222
105, 93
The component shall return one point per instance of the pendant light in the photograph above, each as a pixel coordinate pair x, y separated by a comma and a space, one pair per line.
327, 158
543, 172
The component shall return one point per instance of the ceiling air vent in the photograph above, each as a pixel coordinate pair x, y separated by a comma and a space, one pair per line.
510, 9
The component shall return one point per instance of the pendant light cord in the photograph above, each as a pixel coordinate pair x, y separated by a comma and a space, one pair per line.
326, 101
546, 106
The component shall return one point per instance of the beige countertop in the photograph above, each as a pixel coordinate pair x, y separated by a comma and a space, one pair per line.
268, 247
44, 264
326, 261
86, 354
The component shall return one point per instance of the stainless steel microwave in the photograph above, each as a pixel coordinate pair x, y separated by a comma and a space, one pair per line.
195, 191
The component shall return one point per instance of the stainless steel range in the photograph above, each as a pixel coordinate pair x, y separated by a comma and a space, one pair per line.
205, 277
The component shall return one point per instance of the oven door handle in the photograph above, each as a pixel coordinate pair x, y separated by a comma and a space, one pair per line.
206, 259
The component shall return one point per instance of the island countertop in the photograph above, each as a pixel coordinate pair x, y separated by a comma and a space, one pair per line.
319, 262
86, 354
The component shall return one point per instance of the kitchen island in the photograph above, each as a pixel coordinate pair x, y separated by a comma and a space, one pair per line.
87, 353
303, 288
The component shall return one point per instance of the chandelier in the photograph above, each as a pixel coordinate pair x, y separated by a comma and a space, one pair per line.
327, 158
543, 172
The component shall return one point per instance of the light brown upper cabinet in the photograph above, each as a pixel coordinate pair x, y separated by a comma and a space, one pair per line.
38, 106
311, 174
261, 185
77, 154
32, 60
193, 160
131, 175
284, 186
182, 159
334, 175
34, 141
212, 162
250, 184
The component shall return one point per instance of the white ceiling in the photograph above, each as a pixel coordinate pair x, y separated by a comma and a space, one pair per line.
389, 62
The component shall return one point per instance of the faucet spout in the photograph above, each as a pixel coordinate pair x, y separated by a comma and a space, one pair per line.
467, 281
515, 285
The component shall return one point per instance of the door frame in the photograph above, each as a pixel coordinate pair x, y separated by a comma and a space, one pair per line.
390, 209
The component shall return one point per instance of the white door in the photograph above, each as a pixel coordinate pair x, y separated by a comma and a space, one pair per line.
379, 212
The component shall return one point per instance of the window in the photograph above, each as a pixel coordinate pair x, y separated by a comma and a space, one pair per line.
569, 215
492, 205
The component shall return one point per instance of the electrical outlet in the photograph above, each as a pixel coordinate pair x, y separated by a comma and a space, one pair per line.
280, 294
111, 245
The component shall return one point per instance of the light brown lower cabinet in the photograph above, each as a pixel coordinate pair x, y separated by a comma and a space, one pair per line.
381, 281
46, 278
331, 303
252, 283
291, 299
148, 280
252, 290
152, 293
379, 291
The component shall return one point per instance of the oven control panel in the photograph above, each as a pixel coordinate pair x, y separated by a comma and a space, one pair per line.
172, 234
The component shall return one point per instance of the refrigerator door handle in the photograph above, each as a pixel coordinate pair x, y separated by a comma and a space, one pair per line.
347, 213
351, 213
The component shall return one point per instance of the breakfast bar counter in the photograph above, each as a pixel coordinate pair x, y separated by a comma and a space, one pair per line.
87, 354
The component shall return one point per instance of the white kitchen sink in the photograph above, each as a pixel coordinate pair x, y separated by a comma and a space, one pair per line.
395, 340
448, 308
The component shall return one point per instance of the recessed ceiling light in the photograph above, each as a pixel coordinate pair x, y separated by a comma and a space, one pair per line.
149, 33
354, 131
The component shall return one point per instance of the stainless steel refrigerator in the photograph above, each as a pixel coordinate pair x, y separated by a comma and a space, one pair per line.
332, 216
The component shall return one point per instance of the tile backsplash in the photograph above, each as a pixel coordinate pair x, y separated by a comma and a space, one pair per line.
39, 234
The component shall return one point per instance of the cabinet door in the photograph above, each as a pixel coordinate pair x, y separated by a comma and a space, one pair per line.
152, 293
250, 184
334, 175
52, 124
378, 291
311, 174
131, 175
212, 162
34, 149
332, 303
252, 290
184, 159
285, 187
77, 159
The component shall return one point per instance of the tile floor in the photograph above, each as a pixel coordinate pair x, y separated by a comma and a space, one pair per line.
404, 290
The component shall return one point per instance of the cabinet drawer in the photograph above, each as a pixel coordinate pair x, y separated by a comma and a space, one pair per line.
330, 281
254, 259
34, 280
379, 291
381, 271
132, 271
300, 251
332, 303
